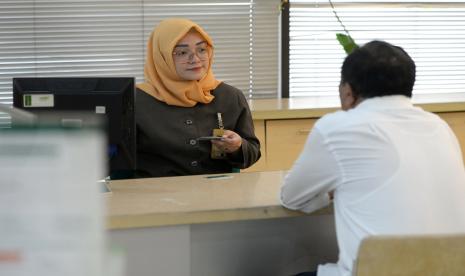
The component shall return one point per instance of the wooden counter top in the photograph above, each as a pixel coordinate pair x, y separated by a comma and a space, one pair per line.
308, 107
195, 199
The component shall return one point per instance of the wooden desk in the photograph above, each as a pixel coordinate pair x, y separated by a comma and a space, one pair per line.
195, 225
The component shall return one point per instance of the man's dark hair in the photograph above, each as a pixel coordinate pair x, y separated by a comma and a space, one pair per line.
379, 69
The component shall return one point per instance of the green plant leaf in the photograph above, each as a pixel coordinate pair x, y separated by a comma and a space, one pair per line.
347, 42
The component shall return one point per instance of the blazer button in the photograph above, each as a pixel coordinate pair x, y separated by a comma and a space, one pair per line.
189, 122
194, 163
193, 142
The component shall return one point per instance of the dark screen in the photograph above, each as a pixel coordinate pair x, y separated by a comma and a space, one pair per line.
112, 99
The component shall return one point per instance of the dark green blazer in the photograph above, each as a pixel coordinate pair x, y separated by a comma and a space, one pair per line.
166, 135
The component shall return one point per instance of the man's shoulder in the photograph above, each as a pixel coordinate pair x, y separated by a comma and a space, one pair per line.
345, 120
332, 120
357, 117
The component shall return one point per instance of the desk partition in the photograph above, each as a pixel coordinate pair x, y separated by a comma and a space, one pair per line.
228, 224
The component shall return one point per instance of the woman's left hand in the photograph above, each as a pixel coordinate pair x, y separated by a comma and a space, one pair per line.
230, 143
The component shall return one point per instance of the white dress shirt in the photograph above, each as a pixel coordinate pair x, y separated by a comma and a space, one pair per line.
394, 169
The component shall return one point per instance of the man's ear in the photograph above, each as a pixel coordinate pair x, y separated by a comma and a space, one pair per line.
346, 89
348, 98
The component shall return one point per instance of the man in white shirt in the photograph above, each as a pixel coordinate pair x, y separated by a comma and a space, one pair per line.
392, 168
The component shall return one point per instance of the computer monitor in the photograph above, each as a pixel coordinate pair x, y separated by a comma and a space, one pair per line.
111, 98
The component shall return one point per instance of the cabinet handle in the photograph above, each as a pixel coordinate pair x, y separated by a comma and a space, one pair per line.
303, 131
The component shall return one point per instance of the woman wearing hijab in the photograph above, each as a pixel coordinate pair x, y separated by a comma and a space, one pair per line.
181, 104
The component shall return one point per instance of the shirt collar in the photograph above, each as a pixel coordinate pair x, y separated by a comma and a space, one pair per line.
386, 102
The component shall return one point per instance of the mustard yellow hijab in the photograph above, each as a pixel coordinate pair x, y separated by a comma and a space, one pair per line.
161, 79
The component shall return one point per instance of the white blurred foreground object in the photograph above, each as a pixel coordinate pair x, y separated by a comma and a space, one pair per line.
51, 210
19, 116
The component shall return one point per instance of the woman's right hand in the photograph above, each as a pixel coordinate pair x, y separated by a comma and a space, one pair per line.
230, 143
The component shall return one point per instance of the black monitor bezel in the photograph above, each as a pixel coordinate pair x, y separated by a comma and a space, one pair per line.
124, 164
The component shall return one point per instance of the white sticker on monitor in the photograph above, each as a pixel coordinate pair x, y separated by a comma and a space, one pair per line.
100, 110
38, 100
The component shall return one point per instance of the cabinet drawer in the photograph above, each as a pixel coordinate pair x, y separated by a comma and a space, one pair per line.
285, 140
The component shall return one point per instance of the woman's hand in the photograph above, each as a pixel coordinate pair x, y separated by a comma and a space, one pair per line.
230, 143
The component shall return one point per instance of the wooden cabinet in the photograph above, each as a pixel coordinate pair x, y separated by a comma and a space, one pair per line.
285, 140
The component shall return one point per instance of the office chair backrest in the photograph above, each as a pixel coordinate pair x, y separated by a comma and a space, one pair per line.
429, 255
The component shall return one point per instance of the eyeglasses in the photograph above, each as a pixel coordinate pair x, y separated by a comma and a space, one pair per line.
186, 55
